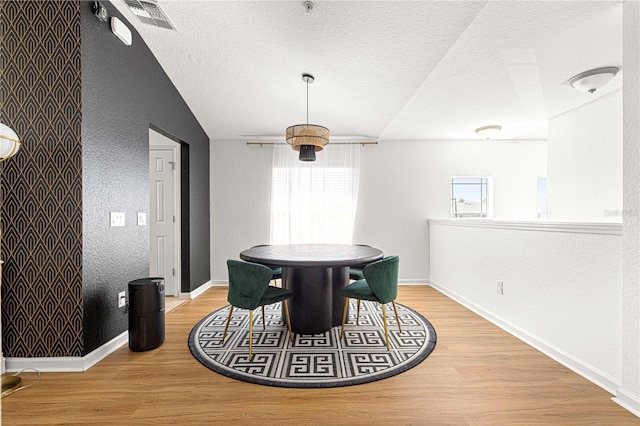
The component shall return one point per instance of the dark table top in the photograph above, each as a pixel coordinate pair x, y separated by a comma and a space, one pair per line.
312, 255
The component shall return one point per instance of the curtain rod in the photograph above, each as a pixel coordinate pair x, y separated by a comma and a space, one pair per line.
331, 143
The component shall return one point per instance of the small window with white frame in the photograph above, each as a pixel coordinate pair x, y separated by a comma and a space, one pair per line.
470, 197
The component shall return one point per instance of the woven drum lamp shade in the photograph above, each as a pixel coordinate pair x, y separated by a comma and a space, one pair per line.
307, 138
307, 134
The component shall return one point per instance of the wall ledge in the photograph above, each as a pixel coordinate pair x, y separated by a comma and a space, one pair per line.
598, 228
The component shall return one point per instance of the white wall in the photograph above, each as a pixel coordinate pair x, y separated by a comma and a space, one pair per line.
585, 162
240, 201
629, 393
574, 296
402, 184
562, 290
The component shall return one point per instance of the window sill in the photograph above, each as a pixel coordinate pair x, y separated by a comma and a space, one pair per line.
602, 228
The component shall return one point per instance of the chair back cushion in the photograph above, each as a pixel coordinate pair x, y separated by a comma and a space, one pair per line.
247, 283
382, 277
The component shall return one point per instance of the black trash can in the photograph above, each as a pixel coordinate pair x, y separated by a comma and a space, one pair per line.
146, 313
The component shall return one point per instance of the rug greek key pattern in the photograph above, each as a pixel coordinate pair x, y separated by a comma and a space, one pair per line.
320, 360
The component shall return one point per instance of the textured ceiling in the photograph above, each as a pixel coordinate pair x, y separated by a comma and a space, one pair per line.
388, 70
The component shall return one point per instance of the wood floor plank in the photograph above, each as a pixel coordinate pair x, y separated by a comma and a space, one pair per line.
477, 375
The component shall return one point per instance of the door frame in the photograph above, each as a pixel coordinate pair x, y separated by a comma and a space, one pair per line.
175, 147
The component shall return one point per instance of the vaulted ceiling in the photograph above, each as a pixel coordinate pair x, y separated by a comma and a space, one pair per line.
384, 70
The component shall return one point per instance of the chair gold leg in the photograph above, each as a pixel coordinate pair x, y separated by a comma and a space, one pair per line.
344, 315
226, 327
263, 320
396, 312
250, 333
358, 314
386, 329
286, 312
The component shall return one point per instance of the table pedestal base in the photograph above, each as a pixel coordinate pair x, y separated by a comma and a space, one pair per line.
317, 304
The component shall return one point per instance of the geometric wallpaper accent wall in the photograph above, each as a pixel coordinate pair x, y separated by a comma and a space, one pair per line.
41, 186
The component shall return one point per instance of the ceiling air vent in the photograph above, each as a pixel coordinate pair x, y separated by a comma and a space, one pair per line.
150, 12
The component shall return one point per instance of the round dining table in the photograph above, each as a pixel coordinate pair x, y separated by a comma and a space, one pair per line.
315, 273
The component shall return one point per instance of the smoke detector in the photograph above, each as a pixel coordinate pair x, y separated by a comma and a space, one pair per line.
309, 6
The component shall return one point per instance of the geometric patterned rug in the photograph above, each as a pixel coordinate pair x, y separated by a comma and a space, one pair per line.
312, 361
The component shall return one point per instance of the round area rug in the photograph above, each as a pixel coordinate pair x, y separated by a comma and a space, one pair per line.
312, 361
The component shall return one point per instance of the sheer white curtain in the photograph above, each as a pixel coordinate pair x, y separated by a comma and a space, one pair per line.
314, 202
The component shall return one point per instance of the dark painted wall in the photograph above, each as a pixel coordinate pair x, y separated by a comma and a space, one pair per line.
124, 91
83, 103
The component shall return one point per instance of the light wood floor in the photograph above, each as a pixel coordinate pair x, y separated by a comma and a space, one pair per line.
477, 375
170, 303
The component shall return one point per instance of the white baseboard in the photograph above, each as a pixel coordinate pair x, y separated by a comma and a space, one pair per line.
70, 363
83, 363
197, 292
627, 401
413, 282
578, 366
220, 283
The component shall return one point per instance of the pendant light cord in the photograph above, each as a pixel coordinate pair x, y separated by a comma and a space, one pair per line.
307, 102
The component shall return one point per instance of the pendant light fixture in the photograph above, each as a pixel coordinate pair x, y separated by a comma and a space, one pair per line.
307, 138
9, 142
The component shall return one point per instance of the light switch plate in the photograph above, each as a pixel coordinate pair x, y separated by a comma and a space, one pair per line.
117, 218
142, 219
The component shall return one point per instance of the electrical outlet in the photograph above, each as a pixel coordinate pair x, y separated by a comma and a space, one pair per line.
500, 287
122, 299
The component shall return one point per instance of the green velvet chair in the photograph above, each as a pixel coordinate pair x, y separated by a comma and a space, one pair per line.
355, 273
249, 288
277, 272
380, 284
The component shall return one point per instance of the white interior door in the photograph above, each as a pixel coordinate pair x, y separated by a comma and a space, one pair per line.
163, 223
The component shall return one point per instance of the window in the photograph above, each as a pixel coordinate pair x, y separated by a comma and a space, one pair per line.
314, 202
470, 197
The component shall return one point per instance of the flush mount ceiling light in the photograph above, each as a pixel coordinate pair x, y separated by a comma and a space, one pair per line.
307, 138
9, 142
488, 132
592, 80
